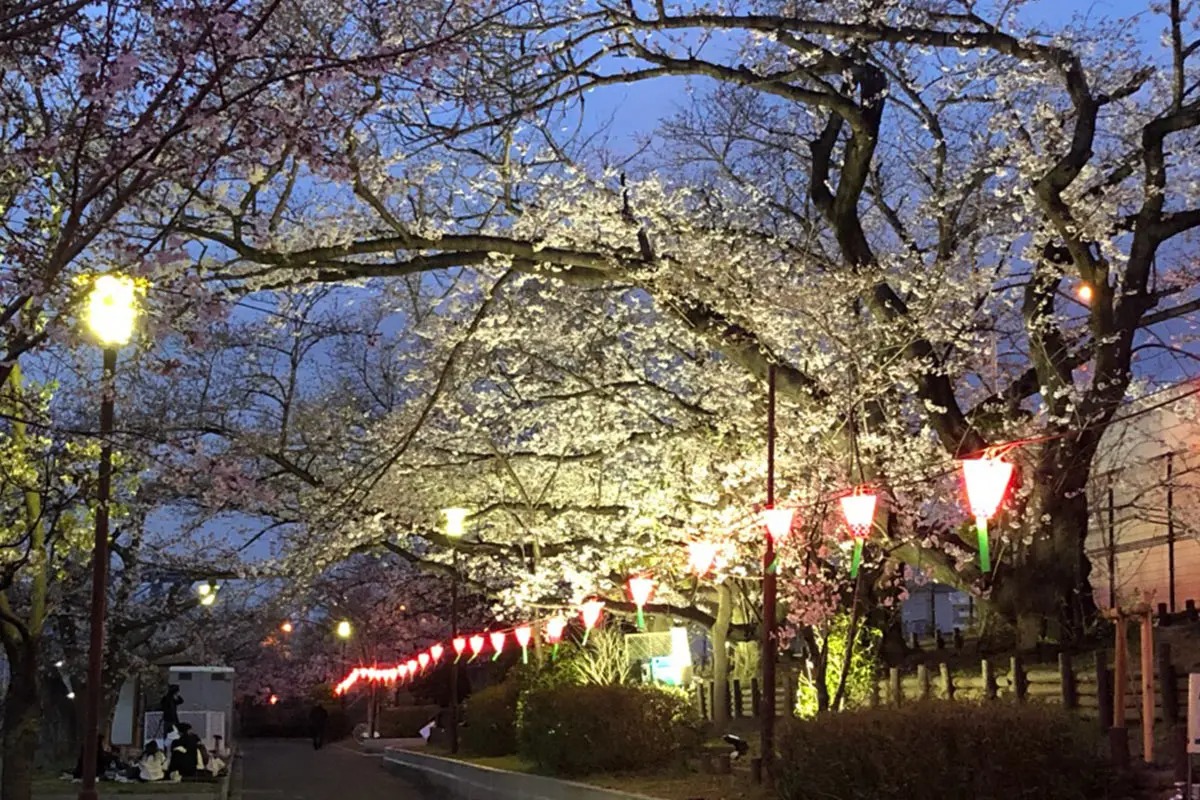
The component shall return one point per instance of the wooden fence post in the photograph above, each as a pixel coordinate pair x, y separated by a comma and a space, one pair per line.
923, 681
1104, 690
896, 692
989, 679
1066, 676
737, 698
790, 690
1168, 685
755, 698
1019, 685
947, 681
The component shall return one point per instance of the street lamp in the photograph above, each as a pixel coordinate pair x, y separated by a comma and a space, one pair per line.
455, 525
344, 630
208, 593
110, 316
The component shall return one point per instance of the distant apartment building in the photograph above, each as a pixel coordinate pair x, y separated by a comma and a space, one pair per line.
1144, 501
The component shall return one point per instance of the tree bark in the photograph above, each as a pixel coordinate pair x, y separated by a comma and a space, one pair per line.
22, 715
720, 638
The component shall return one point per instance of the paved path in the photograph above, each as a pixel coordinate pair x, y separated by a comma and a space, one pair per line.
291, 770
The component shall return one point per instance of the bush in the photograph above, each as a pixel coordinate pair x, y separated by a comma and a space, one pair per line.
576, 730
491, 721
942, 751
405, 722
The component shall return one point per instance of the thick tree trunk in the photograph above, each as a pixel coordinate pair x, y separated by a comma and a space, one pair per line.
22, 714
720, 639
1044, 589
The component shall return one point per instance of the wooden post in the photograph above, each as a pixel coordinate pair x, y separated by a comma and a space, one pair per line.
737, 698
916, 641
940, 641
1070, 693
894, 689
755, 698
958, 639
712, 699
947, 681
1104, 690
1168, 685
923, 681
1118, 735
790, 689
989, 679
1164, 616
700, 694
1147, 686
1017, 670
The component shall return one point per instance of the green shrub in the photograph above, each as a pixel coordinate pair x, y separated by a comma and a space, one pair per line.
942, 751
405, 722
491, 721
861, 675
577, 730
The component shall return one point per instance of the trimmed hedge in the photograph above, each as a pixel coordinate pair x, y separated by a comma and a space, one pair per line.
577, 730
491, 721
405, 722
943, 751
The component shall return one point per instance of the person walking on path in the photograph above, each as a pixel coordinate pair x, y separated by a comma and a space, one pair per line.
318, 719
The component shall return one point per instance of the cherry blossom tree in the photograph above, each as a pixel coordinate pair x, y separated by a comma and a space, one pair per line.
895, 203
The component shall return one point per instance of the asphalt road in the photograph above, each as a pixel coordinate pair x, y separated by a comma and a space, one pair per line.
291, 770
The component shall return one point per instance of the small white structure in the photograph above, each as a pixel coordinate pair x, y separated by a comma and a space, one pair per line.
207, 694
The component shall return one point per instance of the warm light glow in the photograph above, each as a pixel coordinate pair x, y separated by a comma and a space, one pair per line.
286, 627
987, 481
436, 651
477, 643
274, 699
460, 644
344, 630
590, 612
778, 522
497, 638
702, 556
554, 629
208, 599
859, 510
70, 695
1085, 293
204, 589
413, 665
640, 589
423, 660
402, 671
523, 634
112, 309
455, 521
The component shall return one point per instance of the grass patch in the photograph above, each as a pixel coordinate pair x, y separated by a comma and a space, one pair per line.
54, 786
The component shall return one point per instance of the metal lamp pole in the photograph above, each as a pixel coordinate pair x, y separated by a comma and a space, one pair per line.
454, 664
95, 688
770, 643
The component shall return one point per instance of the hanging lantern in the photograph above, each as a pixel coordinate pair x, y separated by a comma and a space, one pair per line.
554, 633
477, 643
702, 555
460, 644
402, 671
523, 634
778, 522
859, 509
987, 480
423, 660
640, 588
497, 638
436, 652
590, 612
413, 666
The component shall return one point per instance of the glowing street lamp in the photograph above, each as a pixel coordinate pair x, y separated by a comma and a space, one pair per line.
110, 316
859, 509
287, 627
523, 634
702, 555
987, 480
344, 629
640, 589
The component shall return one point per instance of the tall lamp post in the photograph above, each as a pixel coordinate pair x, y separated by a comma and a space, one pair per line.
344, 631
111, 312
455, 524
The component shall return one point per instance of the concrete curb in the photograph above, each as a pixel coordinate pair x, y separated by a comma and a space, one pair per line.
458, 780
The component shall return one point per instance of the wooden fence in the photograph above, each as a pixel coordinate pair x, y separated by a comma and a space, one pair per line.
1084, 686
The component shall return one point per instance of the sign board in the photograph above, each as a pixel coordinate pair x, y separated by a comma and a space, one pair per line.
1193, 713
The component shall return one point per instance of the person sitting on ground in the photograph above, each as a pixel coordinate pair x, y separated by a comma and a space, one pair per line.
106, 761
153, 764
185, 753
